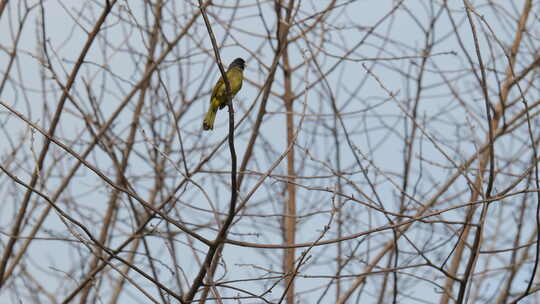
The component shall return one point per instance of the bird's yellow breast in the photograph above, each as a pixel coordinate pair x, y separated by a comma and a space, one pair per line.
235, 79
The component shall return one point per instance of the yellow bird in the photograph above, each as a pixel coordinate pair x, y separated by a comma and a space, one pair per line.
218, 100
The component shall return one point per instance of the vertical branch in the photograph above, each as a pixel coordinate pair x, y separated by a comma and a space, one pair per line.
121, 170
54, 124
289, 222
488, 155
475, 250
3, 4
222, 234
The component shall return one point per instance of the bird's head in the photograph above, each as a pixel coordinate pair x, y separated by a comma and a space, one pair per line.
238, 63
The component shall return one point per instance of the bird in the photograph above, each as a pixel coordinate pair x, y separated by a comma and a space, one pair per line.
218, 99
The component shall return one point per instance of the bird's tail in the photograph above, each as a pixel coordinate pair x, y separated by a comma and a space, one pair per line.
208, 123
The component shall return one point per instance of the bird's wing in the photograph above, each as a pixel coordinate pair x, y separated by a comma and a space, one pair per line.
235, 80
219, 88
